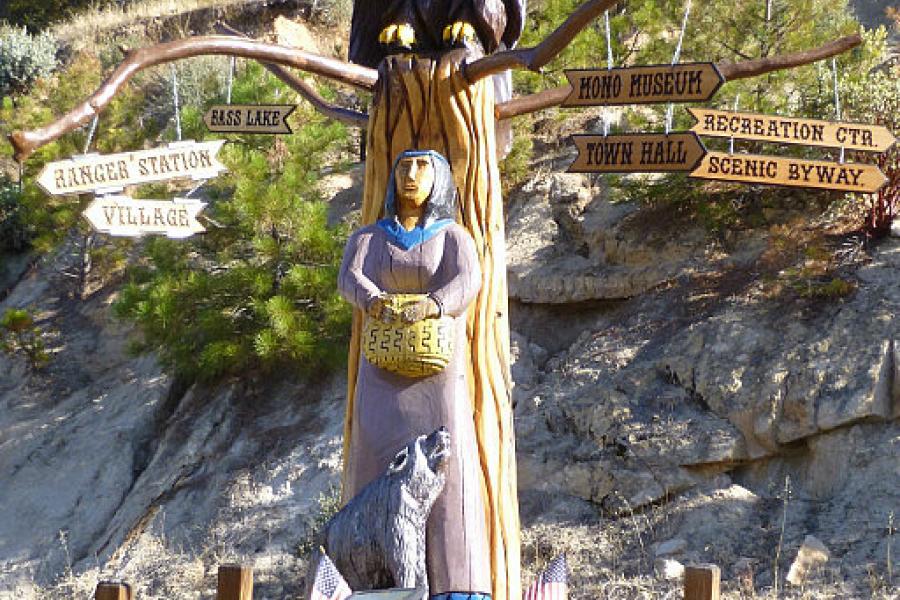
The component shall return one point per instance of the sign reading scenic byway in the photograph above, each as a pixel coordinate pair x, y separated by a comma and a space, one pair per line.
123, 216
789, 130
649, 84
91, 172
793, 172
637, 152
251, 118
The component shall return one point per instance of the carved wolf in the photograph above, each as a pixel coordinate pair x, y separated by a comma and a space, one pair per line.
378, 539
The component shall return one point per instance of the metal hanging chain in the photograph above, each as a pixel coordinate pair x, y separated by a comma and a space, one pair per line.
230, 80
91, 131
837, 99
670, 110
607, 117
175, 99
737, 100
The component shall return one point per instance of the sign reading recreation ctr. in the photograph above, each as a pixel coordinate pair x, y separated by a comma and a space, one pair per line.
122, 216
637, 153
255, 118
789, 130
195, 160
793, 172
650, 84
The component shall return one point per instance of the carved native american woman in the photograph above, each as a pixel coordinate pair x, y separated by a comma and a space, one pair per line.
418, 248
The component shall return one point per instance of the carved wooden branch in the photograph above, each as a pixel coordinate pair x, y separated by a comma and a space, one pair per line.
538, 56
731, 71
27, 142
308, 92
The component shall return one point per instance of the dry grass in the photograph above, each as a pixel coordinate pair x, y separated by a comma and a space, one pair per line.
93, 23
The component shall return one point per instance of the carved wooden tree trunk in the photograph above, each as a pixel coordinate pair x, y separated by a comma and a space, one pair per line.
426, 103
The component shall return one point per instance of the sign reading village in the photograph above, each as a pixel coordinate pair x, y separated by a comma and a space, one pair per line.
253, 118
651, 84
123, 216
637, 152
792, 172
194, 160
790, 130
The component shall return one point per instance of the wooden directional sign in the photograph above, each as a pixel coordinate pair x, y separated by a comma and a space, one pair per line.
251, 118
649, 84
793, 172
195, 160
788, 130
122, 216
637, 152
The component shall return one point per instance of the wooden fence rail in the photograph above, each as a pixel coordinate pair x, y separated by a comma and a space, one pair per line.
235, 583
701, 582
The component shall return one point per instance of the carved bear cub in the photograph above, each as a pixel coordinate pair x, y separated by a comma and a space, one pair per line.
378, 539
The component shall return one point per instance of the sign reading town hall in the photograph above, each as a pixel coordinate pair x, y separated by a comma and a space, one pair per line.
92, 172
650, 84
637, 153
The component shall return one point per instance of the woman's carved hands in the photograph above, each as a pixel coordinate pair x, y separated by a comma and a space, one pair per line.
426, 308
384, 309
381, 309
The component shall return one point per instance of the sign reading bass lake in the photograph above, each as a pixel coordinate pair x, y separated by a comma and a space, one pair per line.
254, 118
790, 130
637, 152
792, 172
123, 216
650, 84
195, 160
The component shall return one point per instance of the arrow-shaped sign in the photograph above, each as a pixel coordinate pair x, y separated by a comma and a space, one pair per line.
649, 84
249, 118
790, 130
123, 216
637, 153
792, 172
196, 160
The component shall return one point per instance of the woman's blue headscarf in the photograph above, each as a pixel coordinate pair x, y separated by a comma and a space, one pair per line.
440, 208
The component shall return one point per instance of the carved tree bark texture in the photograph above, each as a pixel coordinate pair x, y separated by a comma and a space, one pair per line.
427, 103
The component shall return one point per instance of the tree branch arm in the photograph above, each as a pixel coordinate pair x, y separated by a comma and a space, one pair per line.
27, 142
731, 71
308, 92
538, 56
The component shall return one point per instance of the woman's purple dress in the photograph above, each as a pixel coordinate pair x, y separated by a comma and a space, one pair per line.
389, 410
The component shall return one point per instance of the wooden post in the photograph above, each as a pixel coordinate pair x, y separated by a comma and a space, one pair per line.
109, 590
701, 582
235, 583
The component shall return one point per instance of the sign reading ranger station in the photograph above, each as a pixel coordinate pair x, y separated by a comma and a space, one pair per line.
92, 172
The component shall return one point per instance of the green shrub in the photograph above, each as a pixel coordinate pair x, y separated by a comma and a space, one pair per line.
14, 233
19, 335
24, 58
258, 290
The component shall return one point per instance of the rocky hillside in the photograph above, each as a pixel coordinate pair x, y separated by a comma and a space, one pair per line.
665, 398
690, 387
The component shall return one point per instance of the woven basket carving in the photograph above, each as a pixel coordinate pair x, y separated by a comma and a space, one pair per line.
412, 350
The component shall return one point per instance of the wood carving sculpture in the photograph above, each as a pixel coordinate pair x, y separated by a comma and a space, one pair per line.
442, 101
419, 248
378, 539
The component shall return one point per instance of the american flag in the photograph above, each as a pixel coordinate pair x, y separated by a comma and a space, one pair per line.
552, 583
328, 584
